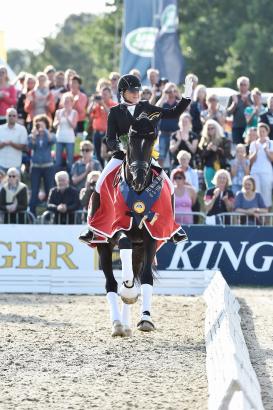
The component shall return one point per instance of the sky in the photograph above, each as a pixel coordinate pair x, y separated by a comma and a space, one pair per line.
26, 22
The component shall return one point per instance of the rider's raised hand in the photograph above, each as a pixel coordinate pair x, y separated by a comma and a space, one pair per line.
188, 87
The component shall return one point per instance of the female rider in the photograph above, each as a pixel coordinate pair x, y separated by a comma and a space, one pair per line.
119, 122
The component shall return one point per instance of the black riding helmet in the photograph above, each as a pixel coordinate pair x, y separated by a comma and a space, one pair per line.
128, 82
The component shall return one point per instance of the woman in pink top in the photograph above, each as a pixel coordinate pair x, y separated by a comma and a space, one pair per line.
7, 94
80, 101
40, 100
185, 197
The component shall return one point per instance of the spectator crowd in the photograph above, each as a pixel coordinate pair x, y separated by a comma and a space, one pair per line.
53, 146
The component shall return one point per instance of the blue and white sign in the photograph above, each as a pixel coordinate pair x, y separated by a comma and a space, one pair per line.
150, 38
244, 255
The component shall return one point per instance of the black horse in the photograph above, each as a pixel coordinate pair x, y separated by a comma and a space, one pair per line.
136, 243
137, 246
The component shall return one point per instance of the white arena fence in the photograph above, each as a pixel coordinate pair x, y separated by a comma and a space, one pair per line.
232, 381
50, 259
237, 218
80, 217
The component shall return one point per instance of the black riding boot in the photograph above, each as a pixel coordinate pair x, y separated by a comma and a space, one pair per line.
87, 235
181, 235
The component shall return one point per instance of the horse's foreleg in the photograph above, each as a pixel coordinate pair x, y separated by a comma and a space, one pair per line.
146, 279
111, 286
125, 247
126, 319
128, 291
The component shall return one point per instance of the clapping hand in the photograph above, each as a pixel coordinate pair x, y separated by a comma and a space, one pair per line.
11, 207
62, 208
216, 192
266, 145
88, 167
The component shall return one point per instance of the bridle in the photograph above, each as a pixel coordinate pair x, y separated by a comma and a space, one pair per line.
141, 165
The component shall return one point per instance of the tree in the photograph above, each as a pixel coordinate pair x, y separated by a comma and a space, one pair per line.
223, 40
220, 40
85, 42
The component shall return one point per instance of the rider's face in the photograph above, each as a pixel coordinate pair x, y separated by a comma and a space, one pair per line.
131, 96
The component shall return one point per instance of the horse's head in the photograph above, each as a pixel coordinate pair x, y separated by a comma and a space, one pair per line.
139, 152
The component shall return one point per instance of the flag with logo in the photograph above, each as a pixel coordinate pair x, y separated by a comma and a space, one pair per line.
150, 38
138, 36
168, 57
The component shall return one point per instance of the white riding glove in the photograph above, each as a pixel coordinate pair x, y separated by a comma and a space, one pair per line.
188, 88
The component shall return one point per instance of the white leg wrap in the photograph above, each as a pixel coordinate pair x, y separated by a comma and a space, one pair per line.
112, 298
127, 265
146, 294
113, 163
126, 314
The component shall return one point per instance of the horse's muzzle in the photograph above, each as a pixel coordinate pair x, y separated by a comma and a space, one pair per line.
139, 180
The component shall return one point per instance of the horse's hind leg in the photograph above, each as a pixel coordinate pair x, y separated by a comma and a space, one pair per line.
128, 291
105, 252
146, 324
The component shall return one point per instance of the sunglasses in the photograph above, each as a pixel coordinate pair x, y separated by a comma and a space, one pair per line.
12, 115
85, 150
178, 178
12, 176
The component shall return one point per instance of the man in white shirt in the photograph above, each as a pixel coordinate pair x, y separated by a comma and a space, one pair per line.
13, 140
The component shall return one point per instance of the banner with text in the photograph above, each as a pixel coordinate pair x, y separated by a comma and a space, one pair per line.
44, 257
244, 255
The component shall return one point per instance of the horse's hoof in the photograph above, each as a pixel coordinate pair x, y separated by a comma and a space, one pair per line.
128, 331
117, 329
129, 295
146, 324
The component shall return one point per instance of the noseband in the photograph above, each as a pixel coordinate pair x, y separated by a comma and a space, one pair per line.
135, 165
143, 165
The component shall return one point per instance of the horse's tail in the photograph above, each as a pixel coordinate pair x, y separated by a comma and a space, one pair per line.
138, 260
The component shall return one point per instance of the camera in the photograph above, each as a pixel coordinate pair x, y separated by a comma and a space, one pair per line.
97, 98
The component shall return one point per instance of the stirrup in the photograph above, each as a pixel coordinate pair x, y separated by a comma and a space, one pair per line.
179, 236
86, 236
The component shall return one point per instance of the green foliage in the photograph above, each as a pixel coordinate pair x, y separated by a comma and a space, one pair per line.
124, 140
221, 40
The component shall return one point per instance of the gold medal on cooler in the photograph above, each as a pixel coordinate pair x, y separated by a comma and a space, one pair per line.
139, 207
